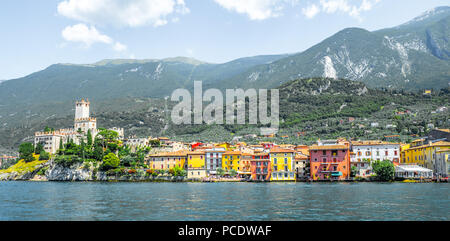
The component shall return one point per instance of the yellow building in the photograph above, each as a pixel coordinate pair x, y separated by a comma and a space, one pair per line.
196, 160
196, 165
231, 160
283, 164
167, 160
421, 153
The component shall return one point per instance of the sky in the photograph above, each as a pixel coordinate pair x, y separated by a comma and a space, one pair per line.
36, 34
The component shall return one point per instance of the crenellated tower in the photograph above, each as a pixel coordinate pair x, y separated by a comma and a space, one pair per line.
83, 121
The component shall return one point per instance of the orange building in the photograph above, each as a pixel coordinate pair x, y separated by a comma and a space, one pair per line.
260, 167
330, 162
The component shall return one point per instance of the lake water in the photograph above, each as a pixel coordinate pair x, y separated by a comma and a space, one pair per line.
223, 201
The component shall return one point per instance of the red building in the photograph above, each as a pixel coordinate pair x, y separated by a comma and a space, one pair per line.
260, 167
330, 162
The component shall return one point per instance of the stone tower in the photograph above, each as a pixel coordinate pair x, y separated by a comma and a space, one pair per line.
82, 109
82, 120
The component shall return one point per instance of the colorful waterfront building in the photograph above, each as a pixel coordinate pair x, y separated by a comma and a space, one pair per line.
330, 161
364, 152
214, 159
442, 163
300, 166
260, 167
231, 161
282, 163
167, 160
196, 165
423, 153
245, 165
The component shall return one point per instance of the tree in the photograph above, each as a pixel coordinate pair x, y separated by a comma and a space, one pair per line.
354, 171
385, 170
220, 171
61, 146
39, 148
233, 173
44, 156
26, 151
89, 138
110, 161
108, 139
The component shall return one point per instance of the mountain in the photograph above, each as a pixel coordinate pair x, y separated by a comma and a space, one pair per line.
411, 56
53, 90
315, 107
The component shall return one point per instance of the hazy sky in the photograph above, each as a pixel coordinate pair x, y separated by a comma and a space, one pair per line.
36, 34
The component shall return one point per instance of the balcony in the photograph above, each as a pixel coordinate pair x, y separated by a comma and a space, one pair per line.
330, 163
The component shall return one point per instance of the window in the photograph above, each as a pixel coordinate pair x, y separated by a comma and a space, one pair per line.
386, 153
324, 153
285, 161
275, 161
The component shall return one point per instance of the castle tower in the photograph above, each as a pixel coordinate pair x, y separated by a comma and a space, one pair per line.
82, 109
82, 120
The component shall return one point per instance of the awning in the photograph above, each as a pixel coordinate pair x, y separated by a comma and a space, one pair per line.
336, 174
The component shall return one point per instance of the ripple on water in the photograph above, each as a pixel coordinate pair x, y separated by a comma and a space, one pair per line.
223, 201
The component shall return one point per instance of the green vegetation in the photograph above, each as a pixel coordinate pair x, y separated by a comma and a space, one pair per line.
22, 167
44, 156
110, 161
385, 170
26, 151
233, 173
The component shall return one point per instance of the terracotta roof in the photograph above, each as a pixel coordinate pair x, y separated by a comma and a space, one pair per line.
196, 153
280, 150
301, 146
371, 143
439, 143
328, 147
444, 130
233, 153
164, 154
301, 157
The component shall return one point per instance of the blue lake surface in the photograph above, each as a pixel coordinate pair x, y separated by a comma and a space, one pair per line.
224, 201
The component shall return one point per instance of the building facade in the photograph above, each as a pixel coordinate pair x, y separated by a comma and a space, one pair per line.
282, 163
214, 159
260, 167
83, 124
330, 162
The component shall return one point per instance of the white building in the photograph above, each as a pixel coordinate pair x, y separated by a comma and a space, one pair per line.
412, 172
82, 124
376, 150
363, 152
